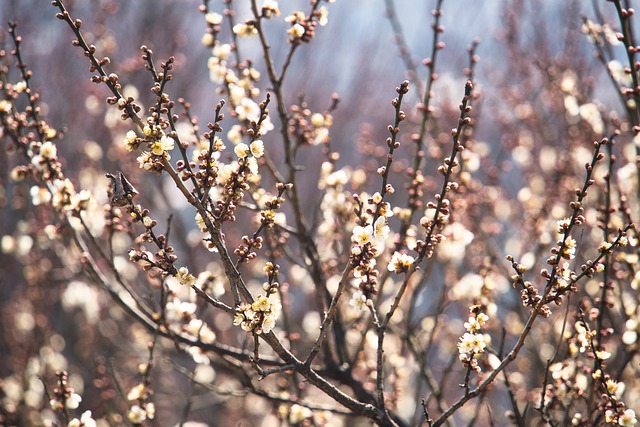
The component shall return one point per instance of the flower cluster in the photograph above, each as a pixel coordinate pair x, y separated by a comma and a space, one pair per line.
302, 27
261, 315
258, 317
584, 370
141, 409
373, 226
568, 382
64, 398
310, 128
55, 188
625, 419
473, 343
529, 294
158, 144
566, 242
240, 86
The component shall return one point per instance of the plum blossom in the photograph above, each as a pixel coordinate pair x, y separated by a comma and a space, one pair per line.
380, 229
245, 30
358, 301
400, 262
362, 235
84, 421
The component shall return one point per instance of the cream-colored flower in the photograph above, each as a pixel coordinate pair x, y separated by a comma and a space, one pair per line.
213, 18
5, 106
252, 164
563, 224
569, 248
225, 172
73, 401
323, 15
298, 413
147, 221
137, 392
144, 161
39, 195
472, 325
472, 344
48, 150
163, 145
482, 318
317, 120
245, 30
130, 141
358, 301
207, 39
176, 310
266, 126
269, 8
217, 70
257, 148
136, 414
185, 277
20, 87
200, 222
619, 74
400, 262
248, 110
268, 323
151, 410
296, 17
242, 150
628, 418
261, 304
84, 421
296, 31
590, 113
385, 210
381, 229
80, 201
222, 51
237, 93
615, 388
235, 134
362, 235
